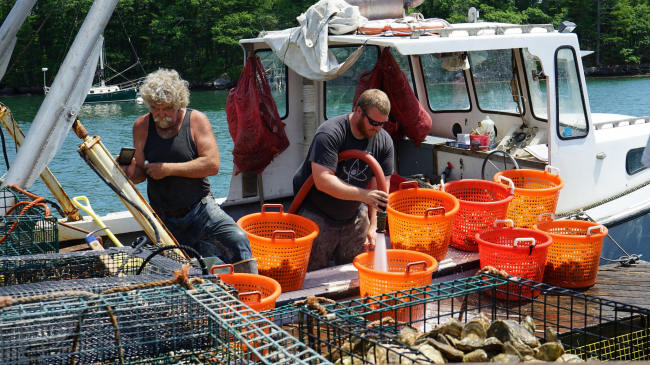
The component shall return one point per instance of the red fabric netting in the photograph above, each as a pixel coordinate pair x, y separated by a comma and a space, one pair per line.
253, 120
407, 116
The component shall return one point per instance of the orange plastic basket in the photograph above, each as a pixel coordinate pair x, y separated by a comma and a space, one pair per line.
256, 291
481, 203
406, 270
421, 219
536, 192
573, 258
281, 242
520, 252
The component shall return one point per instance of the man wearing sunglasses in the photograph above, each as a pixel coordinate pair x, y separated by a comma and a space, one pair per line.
339, 202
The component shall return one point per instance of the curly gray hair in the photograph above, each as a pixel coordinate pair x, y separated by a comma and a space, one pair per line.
165, 87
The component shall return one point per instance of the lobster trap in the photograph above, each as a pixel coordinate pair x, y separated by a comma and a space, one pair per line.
161, 324
25, 229
112, 262
362, 330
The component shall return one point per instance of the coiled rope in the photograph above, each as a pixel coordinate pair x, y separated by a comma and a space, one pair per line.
38, 201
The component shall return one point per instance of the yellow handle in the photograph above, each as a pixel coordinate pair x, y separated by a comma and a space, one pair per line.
77, 200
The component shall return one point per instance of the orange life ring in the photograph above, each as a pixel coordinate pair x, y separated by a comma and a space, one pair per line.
401, 27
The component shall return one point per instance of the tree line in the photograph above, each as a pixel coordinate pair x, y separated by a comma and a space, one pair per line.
199, 38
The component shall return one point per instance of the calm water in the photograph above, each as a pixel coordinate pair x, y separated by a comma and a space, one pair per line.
112, 122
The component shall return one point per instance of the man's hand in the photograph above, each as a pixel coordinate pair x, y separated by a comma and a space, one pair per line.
128, 169
371, 238
375, 199
155, 170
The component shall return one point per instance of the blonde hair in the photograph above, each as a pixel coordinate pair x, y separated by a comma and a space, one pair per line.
374, 98
165, 87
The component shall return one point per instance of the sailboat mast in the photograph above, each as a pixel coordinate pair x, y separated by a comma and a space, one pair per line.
101, 65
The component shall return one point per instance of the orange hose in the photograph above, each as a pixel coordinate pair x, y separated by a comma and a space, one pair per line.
38, 201
361, 155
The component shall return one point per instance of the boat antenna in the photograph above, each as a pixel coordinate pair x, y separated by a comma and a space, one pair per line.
131, 44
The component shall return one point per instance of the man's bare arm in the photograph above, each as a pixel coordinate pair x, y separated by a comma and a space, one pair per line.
326, 181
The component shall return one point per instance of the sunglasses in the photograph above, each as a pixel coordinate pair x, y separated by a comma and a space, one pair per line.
374, 122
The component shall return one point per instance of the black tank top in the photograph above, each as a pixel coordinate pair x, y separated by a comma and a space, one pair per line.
173, 193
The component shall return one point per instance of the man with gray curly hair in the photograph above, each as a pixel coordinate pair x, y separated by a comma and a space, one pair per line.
176, 151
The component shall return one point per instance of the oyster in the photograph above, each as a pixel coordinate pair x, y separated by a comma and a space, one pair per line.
551, 335
472, 336
476, 356
448, 351
408, 335
529, 324
505, 358
400, 355
508, 330
549, 351
509, 349
484, 320
443, 339
529, 358
432, 354
491, 344
377, 355
569, 358
453, 328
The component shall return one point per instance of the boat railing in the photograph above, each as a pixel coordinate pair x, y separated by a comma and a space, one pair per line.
499, 29
130, 83
622, 122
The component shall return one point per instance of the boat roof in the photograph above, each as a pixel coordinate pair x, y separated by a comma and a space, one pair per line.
461, 37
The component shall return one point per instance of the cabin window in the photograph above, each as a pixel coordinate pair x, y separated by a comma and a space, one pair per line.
405, 66
633, 163
536, 81
572, 119
495, 81
276, 72
446, 89
339, 92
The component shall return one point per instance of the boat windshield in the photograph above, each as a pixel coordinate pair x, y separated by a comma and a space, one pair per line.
572, 119
536, 82
492, 72
446, 89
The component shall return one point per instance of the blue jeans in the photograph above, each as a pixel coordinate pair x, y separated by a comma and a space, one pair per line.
210, 231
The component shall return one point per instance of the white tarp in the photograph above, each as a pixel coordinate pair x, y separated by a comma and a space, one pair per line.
304, 48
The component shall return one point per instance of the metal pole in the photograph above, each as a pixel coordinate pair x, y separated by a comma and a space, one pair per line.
61, 105
10, 28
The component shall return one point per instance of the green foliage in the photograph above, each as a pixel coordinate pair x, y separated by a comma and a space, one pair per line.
200, 38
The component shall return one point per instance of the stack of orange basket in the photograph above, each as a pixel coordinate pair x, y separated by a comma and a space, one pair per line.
481, 203
536, 192
421, 219
574, 256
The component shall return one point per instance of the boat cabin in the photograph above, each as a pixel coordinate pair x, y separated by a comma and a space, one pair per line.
528, 79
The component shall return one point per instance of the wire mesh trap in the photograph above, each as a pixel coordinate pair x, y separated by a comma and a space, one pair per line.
362, 330
25, 229
82, 265
160, 325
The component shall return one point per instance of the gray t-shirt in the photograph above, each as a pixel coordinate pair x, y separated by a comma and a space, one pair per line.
333, 137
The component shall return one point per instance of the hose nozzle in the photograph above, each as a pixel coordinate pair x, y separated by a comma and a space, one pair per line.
381, 221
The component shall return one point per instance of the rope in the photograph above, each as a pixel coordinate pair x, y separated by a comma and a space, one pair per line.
129, 38
38, 201
612, 198
625, 261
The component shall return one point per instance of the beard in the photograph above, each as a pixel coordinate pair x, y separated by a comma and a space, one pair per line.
365, 132
163, 122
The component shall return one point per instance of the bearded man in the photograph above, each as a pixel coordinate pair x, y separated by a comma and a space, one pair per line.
176, 151
334, 203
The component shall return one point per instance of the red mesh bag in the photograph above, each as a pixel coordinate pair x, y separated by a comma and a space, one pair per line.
253, 120
407, 116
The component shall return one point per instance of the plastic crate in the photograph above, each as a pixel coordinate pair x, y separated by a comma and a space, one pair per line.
587, 326
28, 233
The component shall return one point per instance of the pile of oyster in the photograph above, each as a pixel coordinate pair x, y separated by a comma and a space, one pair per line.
479, 340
